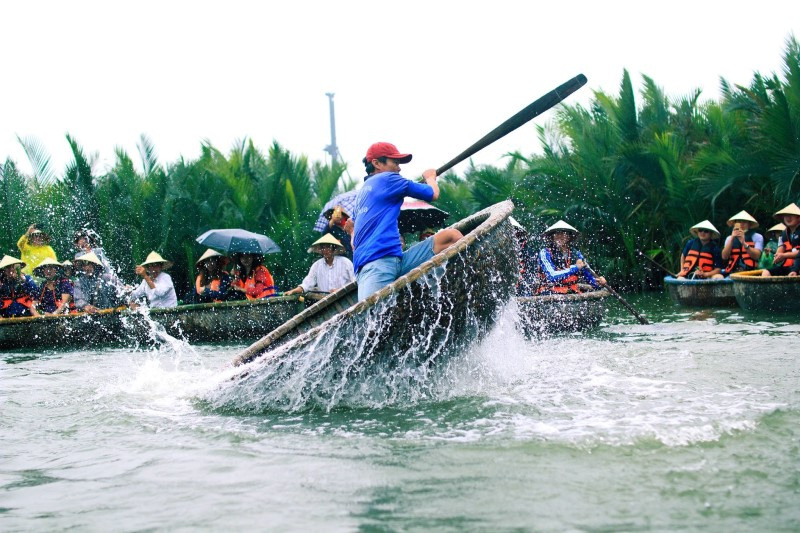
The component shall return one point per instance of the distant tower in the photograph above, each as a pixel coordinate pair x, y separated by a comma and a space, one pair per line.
332, 149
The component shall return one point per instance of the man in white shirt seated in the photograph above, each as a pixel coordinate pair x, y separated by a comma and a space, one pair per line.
156, 285
330, 273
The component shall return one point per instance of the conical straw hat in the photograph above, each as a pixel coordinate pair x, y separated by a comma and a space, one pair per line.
155, 257
744, 216
90, 257
46, 262
790, 209
777, 227
327, 239
560, 226
209, 254
8, 261
706, 224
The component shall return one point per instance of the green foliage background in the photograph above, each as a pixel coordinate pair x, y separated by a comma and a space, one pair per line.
633, 172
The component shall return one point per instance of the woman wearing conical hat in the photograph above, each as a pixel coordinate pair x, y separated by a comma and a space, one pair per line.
561, 266
330, 273
212, 281
87, 240
786, 261
34, 248
742, 248
701, 256
92, 292
17, 290
156, 286
56, 293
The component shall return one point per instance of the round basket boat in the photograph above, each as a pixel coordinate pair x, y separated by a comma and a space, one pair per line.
778, 294
562, 313
701, 292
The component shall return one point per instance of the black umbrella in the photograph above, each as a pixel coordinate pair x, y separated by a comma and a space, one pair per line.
240, 241
416, 215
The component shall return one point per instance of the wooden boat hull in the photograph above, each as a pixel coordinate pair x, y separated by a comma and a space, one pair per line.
436, 309
701, 292
776, 294
212, 322
562, 313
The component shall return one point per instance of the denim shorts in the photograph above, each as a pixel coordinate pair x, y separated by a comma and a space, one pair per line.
377, 274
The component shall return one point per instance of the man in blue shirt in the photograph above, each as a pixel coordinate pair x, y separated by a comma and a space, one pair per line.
378, 258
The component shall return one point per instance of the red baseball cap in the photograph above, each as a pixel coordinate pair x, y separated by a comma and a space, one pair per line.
386, 150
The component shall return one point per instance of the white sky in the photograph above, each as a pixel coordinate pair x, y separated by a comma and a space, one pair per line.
430, 76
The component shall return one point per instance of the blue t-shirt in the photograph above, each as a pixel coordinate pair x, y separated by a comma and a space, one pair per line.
375, 232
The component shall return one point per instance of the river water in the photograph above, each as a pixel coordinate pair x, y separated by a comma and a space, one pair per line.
691, 423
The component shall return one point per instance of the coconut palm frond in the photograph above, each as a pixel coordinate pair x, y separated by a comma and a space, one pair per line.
147, 153
39, 159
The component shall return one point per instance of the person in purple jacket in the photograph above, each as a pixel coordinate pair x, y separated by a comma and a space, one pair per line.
378, 257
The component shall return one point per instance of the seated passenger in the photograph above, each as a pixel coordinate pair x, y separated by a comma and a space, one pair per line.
17, 290
701, 257
331, 272
68, 271
251, 279
771, 246
528, 260
561, 266
86, 241
56, 292
336, 224
743, 246
786, 261
92, 292
212, 282
424, 234
156, 286
34, 248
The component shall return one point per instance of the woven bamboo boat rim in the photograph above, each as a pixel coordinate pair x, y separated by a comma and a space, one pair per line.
669, 280
157, 310
493, 215
754, 276
582, 297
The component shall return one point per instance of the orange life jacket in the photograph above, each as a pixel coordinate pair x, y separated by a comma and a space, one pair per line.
259, 283
58, 301
790, 242
563, 286
24, 299
213, 286
738, 252
699, 256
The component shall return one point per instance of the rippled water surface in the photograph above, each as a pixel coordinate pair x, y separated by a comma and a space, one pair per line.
691, 423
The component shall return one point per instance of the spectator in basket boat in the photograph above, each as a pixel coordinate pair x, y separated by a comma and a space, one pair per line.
212, 281
742, 248
378, 257
17, 290
92, 292
56, 292
251, 279
786, 260
156, 286
336, 228
771, 246
87, 240
68, 271
34, 248
424, 234
330, 273
701, 256
561, 265
528, 260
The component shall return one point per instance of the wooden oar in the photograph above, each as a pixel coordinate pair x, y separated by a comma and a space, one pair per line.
653, 261
531, 111
623, 301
